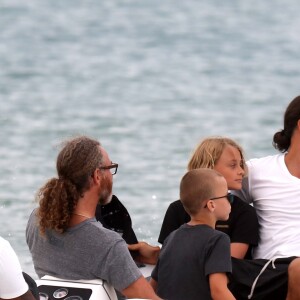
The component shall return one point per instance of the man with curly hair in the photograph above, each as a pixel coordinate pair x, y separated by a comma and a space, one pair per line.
64, 237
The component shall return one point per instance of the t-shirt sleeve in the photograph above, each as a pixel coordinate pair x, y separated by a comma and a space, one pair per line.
119, 266
175, 216
154, 273
218, 258
12, 282
246, 227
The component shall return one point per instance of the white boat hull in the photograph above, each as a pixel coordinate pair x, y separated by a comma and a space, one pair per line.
53, 288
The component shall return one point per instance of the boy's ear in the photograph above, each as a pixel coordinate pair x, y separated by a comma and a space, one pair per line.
211, 205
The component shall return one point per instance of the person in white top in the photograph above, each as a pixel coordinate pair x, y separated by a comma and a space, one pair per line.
273, 186
275, 194
12, 282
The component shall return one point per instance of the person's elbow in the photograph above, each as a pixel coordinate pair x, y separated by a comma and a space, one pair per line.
140, 289
27, 296
218, 287
221, 293
239, 250
153, 283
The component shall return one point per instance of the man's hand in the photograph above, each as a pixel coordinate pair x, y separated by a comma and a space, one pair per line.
147, 254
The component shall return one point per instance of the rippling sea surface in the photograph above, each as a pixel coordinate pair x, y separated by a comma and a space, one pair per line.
149, 79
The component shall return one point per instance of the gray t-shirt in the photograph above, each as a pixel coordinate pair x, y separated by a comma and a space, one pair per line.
85, 251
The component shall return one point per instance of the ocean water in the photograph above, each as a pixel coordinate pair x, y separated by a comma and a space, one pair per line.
149, 79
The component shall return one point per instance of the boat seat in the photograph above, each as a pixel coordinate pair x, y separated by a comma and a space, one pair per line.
53, 288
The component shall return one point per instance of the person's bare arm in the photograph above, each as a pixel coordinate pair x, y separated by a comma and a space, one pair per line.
238, 250
140, 289
27, 296
218, 287
147, 254
153, 283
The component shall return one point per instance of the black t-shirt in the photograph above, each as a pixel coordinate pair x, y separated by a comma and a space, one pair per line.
114, 216
242, 225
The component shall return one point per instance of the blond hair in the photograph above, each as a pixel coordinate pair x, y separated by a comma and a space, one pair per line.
208, 152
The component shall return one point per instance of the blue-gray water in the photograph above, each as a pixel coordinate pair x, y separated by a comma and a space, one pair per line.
149, 79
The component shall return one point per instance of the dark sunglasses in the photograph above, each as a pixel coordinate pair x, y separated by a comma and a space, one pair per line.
229, 196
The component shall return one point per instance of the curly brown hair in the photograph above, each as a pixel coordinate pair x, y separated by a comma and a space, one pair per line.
76, 162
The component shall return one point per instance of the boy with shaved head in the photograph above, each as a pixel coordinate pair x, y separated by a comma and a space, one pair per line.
195, 258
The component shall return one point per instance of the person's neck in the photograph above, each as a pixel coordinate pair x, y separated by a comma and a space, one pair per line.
202, 220
85, 209
80, 215
292, 161
83, 215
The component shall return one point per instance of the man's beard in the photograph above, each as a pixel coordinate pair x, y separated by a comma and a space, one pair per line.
105, 191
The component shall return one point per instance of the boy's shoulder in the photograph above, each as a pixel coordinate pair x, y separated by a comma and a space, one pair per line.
203, 230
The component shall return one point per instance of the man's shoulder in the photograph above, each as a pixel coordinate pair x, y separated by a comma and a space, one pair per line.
6, 251
253, 162
3, 243
95, 230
